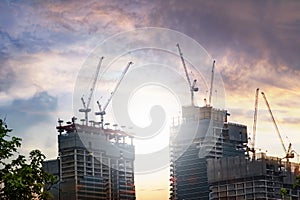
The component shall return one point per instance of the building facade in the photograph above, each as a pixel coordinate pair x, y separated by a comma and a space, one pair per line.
203, 133
94, 163
263, 178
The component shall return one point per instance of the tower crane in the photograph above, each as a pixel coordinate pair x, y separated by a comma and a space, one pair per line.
102, 109
86, 108
211, 82
191, 85
254, 124
288, 152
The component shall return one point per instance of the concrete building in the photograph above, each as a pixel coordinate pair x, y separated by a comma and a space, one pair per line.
202, 133
94, 163
52, 167
263, 178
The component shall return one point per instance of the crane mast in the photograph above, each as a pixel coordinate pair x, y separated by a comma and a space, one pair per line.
191, 85
254, 123
288, 153
94, 82
211, 82
102, 109
86, 108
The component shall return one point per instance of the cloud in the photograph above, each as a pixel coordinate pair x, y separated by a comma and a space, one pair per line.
291, 120
246, 39
45, 42
7, 77
32, 73
71, 21
158, 189
33, 120
22, 114
258, 46
260, 30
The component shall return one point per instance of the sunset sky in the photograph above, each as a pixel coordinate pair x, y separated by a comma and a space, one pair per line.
43, 45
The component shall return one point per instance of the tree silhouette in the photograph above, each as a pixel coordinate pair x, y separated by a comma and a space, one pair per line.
21, 178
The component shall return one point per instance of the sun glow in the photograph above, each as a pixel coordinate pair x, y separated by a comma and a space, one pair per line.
139, 110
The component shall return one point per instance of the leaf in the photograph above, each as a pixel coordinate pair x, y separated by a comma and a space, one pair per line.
21, 178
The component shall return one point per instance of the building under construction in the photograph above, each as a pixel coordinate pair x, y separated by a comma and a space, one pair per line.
262, 178
212, 162
203, 133
93, 163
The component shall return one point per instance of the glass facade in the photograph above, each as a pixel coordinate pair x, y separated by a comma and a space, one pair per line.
203, 133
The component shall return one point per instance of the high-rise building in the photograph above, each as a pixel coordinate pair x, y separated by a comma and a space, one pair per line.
52, 167
203, 133
262, 178
94, 163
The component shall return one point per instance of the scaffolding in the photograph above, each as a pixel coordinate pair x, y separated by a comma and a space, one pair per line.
95, 163
241, 178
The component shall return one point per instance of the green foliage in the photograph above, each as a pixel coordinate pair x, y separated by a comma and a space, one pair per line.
21, 178
7, 148
284, 193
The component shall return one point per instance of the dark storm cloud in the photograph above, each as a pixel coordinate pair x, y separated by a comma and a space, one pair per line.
25, 113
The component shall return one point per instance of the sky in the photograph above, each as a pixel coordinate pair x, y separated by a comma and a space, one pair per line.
44, 44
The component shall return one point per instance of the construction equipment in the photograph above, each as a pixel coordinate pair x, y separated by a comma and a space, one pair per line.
252, 149
102, 109
191, 85
288, 152
86, 108
211, 82
298, 156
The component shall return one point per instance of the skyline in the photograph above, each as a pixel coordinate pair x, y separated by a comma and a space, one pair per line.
44, 45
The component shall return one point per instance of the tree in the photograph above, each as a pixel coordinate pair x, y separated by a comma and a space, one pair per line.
21, 178
284, 193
